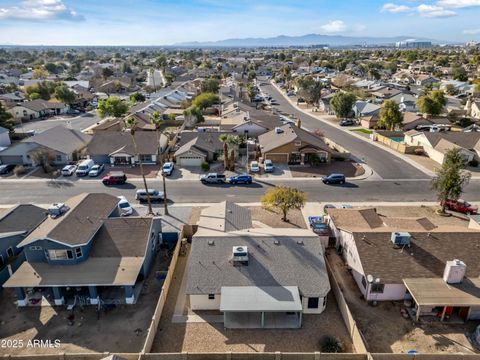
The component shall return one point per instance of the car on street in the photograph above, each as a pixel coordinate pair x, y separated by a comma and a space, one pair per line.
167, 168
268, 166
254, 167
6, 168
461, 206
124, 206
69, 170
155, 195
334, 179
347, 122
240, 179
328, 206
213, 178
96, 170
115, 178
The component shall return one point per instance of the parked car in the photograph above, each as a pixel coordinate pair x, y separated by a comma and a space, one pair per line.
347, 122
84, 167
167, 168
213, 178
155, 195
73, 112
124, 206
268, 166
461, 206
254, 167
315, 219
6, 168
68, 170
57, 209
96, 170
240, 179
328, 206
320, 228
334, 179
115, 178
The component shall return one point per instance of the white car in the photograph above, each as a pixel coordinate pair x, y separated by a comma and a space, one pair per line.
268, 165
167, 168
96, 170
69, 170
254, 167
124, 206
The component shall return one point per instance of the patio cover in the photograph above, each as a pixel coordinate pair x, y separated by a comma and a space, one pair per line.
260, 299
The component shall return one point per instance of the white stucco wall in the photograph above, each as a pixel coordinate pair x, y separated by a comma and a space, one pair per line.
202, 302
319, 310
390, 292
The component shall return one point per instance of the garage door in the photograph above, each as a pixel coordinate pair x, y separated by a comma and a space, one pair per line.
277, 158
191, 161
12, 159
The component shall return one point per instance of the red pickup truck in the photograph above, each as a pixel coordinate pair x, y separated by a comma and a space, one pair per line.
461, 206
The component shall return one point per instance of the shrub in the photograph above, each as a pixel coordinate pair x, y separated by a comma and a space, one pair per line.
330, 344
19, 170
473, 163
205, 166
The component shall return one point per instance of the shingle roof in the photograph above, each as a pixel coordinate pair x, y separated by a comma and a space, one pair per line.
40, 105
467, 140
108, 142
226, 216
202, 141
61, 139
22, 218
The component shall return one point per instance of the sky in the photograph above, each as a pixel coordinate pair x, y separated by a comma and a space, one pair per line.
166, 22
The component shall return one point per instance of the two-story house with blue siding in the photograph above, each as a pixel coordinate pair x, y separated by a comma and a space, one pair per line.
15, 225
89, 253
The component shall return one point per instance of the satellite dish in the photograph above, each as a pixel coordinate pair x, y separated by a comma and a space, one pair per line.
369, 278
377, 281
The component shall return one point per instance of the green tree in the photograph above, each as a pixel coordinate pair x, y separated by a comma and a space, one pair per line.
6, 119
113, 106
390, 115
459, 73
433, 103
284, 199
156, 120
44, 89
230, 145
193, 115
342, 103
137, 97
44, 158
107, 72
161, 61
131, 125
64, 94
205, 100
310, 89
210, 85
451, 178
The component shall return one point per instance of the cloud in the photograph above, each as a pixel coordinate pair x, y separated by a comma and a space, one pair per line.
39, 10
471, 31
434, 11
458, 4
394, 8
334, 26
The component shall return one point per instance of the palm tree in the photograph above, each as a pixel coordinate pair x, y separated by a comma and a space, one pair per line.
223, 138
156, 120
131, 124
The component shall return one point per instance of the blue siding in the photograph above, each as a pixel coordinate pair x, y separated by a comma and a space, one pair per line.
153, 245
12, 242
100, 159
39, 255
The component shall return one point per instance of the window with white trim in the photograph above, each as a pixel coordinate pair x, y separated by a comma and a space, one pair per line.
60, 254
78, 252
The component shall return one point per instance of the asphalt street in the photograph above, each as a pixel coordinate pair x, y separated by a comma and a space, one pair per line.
45, 192
385, 164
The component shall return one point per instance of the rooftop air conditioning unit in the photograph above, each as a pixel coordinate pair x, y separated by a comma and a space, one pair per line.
401, 238
240, 254
454, 272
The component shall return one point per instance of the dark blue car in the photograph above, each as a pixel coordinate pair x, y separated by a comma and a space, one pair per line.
241, 179
334, 179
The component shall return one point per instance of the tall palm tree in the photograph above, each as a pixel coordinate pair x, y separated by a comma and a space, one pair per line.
156, 120
131, 125
223, 138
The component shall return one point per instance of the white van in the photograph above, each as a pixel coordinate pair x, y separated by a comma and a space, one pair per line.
84, 167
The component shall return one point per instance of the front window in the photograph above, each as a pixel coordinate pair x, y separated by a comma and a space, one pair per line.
377, 288
60, 254
78, 252
211, 296
146, 158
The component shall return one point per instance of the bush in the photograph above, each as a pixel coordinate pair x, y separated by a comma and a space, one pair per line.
473, 163
19, 170
205, 166
330, 344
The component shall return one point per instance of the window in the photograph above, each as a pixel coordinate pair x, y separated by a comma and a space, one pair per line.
298, 143
78, 252
10, 252
211, 296
35, 248
377, 288
60, 254
324, 301
364, 283
313, 303
2, 263
145, 158
58, 158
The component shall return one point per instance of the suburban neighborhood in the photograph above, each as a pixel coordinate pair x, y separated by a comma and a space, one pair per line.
227, 196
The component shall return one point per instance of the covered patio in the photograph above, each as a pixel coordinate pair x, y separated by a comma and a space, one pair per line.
269, 307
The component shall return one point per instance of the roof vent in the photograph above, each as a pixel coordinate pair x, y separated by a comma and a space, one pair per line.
240, 255
276, 242
401, 238
278, 130
211, 242
300, 242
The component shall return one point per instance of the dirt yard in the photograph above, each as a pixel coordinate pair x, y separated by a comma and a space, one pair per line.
386, 331
273, 219
350, 169
150, 170
122, 329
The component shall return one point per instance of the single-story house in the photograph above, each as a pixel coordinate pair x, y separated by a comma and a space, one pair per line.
88, 254
118, 148
35, 109
12, 99
393, 259
62, 143
4, 137
257, 277
425, 80
290, 144
197, 147
365, 108
473, 109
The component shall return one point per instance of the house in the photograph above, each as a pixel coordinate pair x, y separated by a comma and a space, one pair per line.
406, 101
473, 108
370, 122
82, 95
425, 80
12, 99
412, 120
194, 148
30, 110
88, 254
62, 143
436, 144
393, 259
118, 148
257, 277
15, 225
365, 108
290, 144
4, 138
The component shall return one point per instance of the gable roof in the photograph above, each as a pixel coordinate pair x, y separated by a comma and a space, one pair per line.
226, 216
203, 142
108, 142
60, 138
23, 218
466, 140
40, 105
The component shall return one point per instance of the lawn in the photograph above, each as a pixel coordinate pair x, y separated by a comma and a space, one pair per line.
364, 131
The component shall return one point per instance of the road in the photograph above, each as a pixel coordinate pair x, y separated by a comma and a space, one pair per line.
43, 192
385, 164
80, 122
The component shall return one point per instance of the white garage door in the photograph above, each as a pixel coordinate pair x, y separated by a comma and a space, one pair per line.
191, 161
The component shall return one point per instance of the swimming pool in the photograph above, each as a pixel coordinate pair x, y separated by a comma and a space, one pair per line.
398, 139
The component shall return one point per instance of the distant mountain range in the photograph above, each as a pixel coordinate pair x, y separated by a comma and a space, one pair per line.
304, 40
